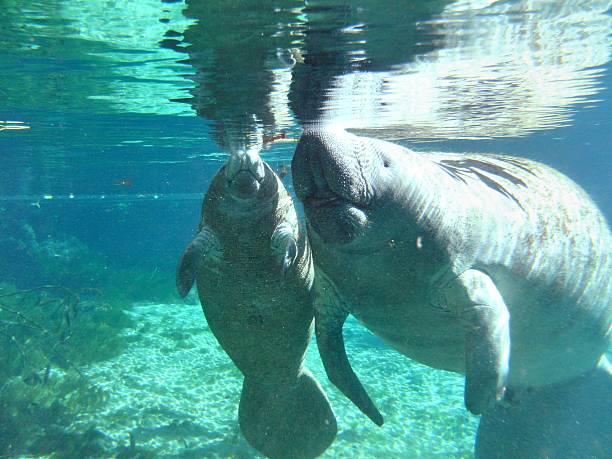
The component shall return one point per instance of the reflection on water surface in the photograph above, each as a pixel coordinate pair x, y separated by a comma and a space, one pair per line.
433, 69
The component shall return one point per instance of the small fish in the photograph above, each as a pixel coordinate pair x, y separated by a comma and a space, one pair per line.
47, 373
13, 126
32, 379
123, 182
283, 169
273, 137
132, 441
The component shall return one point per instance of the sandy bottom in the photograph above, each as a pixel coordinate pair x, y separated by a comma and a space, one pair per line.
175, 393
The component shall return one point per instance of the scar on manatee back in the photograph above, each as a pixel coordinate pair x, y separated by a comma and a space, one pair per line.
461, 168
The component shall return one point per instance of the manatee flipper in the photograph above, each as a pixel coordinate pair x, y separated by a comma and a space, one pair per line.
192, 258
284, 245
290, 419
329, 320
487, 345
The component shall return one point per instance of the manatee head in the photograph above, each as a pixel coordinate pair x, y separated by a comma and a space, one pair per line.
244, 174
342, 180
243, 184
244, 190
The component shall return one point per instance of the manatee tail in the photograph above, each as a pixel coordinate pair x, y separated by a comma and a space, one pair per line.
287, 420
330, 342
569, 419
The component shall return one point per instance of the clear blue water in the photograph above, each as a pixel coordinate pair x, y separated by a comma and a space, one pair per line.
114, 116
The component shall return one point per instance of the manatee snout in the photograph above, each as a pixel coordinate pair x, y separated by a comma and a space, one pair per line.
326, 165
244, 173
329, 180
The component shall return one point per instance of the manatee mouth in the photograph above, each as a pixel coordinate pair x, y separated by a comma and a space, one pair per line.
321, 192
244, 185
322, 201
316, 184
334, 218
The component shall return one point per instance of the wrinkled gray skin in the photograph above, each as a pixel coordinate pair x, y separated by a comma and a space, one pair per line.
254, 274
496, 267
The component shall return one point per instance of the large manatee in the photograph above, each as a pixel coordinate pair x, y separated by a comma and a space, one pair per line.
254, 274
496, 267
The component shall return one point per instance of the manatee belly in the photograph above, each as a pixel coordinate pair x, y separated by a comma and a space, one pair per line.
436, 340
262, 321
554, 336
394, 304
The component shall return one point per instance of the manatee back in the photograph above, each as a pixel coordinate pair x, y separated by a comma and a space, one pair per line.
548, 249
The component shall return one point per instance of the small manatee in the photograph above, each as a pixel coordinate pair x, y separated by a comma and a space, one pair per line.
253, 268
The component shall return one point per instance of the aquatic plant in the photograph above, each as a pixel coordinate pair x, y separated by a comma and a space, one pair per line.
35, 324
46, 334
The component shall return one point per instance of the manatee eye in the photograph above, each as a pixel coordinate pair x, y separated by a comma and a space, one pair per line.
386, 162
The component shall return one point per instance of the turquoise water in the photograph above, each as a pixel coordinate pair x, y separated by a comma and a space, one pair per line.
114, 116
